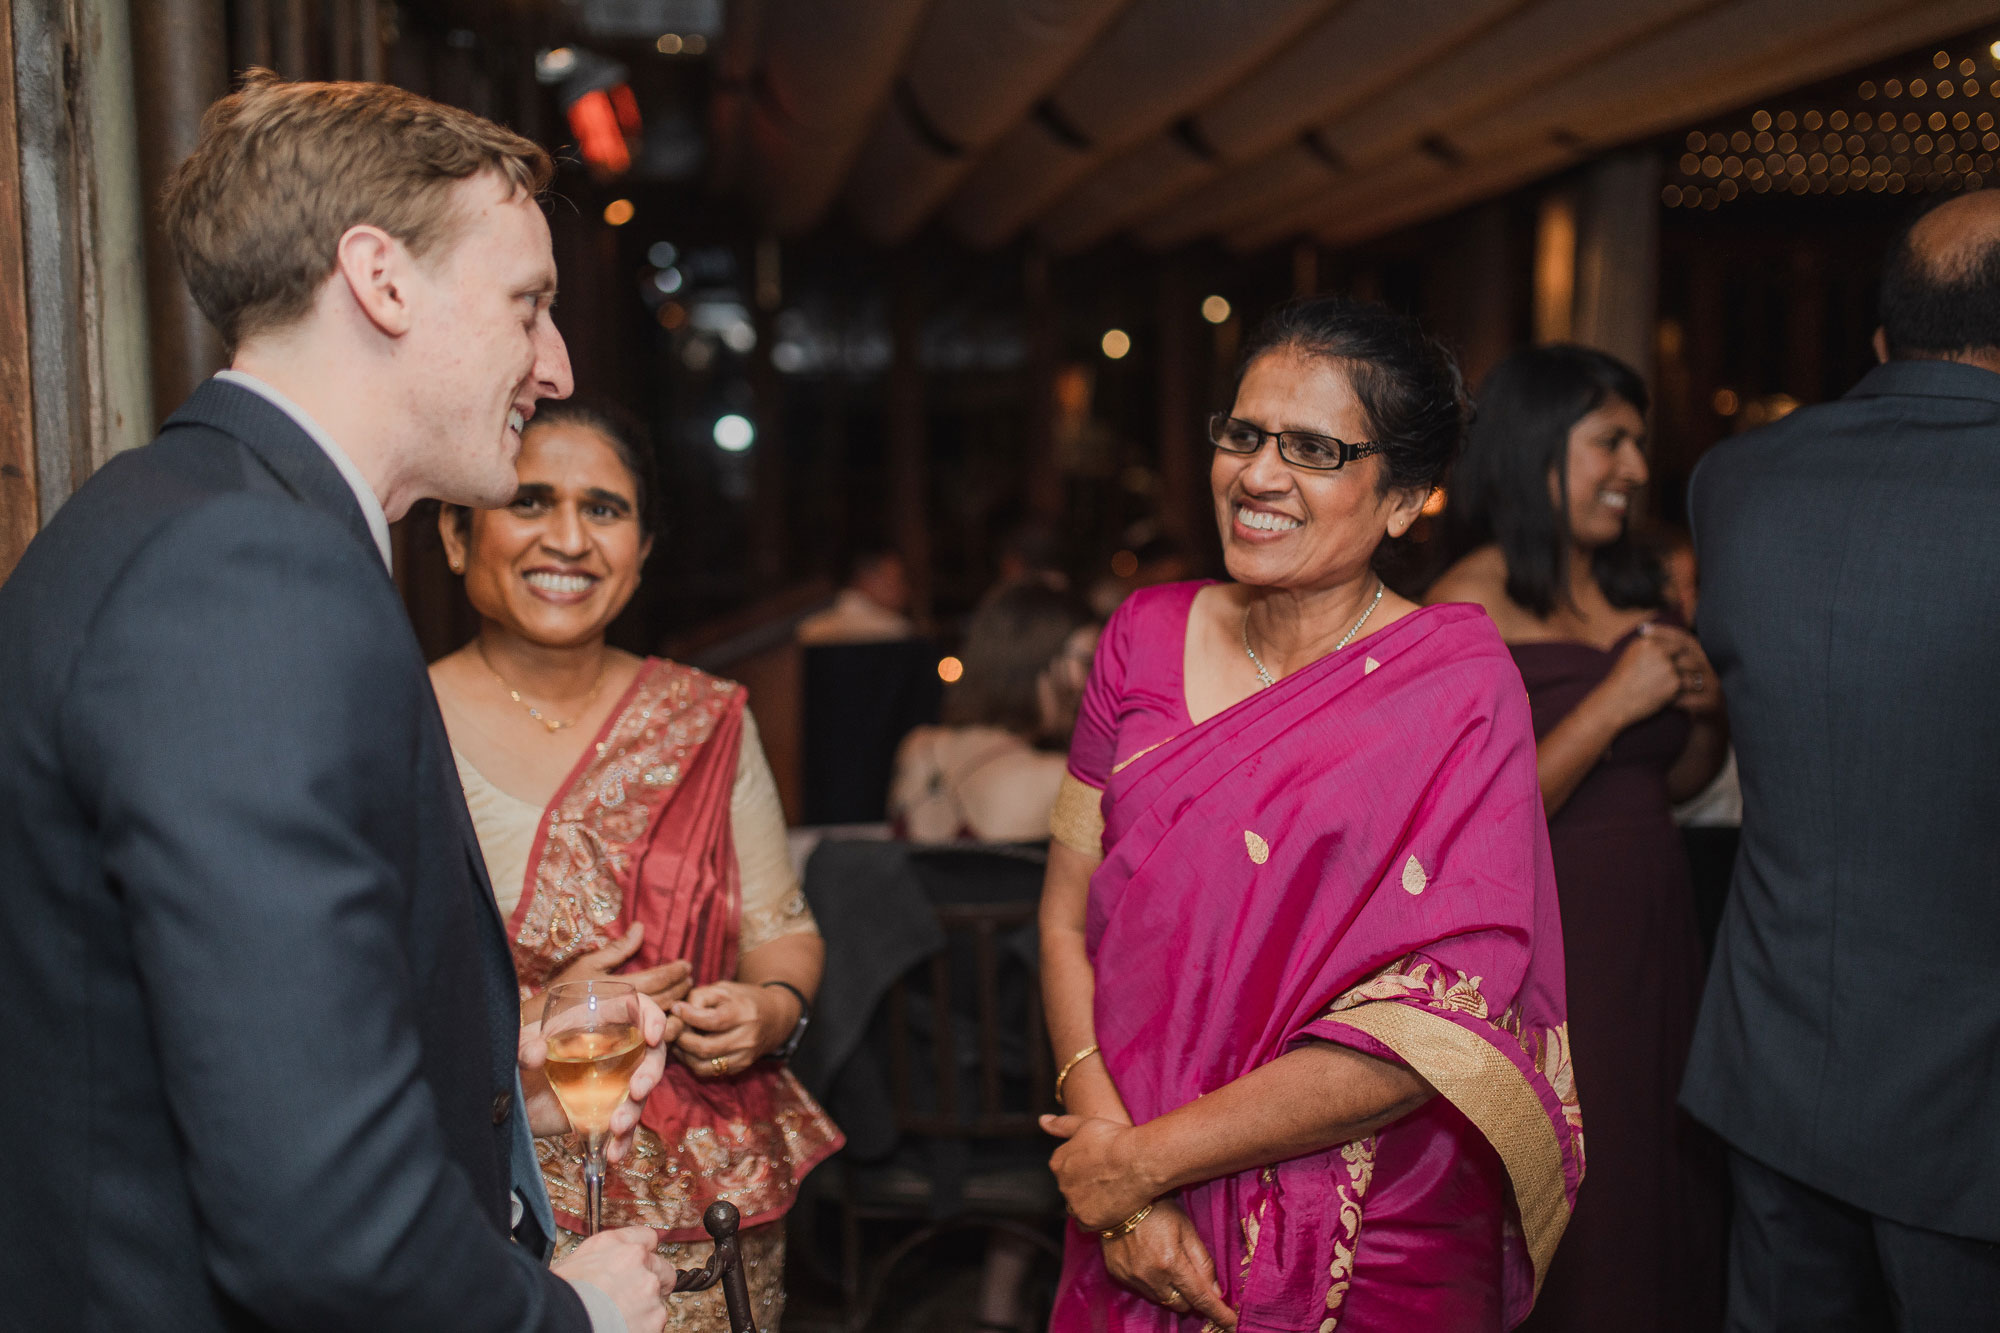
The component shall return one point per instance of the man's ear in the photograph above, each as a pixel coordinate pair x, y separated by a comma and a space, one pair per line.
1881, 344
376, 270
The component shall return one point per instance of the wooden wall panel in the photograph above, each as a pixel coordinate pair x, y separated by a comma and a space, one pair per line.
20, 514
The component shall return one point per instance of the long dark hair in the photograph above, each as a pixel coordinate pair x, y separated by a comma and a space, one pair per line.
1519, 439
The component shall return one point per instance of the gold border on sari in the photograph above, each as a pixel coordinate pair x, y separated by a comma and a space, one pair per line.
1494, 1095
1077, 821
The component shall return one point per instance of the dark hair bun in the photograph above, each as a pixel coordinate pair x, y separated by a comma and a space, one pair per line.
1408, 383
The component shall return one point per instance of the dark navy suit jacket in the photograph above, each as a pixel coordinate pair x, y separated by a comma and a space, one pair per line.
1850, 567
259, 1011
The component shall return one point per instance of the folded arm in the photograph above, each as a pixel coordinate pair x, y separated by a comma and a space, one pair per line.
1306, 1100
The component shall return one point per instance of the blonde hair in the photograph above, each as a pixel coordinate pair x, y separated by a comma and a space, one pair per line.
284, 169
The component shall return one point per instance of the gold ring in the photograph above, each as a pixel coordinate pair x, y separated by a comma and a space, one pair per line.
720, 1064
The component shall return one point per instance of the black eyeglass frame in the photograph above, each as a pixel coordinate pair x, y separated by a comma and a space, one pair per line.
1343, 451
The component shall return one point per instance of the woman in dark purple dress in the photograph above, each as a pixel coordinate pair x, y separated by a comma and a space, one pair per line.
1627, 720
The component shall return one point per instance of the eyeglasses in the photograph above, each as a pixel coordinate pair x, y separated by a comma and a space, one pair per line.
1320, 453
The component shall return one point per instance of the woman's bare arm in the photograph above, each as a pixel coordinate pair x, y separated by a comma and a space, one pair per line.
1306, 1100
796, 959
1069, 988
1701, 760
1568, 751
1164, 1254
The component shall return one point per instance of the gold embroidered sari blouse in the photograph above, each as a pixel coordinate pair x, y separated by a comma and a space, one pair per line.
773, 905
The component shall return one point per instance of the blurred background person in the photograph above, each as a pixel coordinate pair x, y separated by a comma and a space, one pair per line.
990, 772
1851, 598
1295, 884
631, 827
1627, 720
1032, 550
872, 606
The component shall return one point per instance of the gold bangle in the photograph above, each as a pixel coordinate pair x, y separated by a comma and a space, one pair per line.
1074, 1061
1128, 1226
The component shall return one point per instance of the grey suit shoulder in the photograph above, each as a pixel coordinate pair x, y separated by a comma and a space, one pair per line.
1851, 603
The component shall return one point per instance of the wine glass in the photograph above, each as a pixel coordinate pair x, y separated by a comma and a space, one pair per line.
595, 1042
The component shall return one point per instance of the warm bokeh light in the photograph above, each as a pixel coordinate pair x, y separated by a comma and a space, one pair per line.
1116, 343
599, 137
1214, 309
669, 44
619, 212
950, 669
1725, 402
1125, 564
1434, 502
672, 315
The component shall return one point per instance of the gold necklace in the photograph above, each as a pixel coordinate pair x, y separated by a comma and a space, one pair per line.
553, 724
1346, 639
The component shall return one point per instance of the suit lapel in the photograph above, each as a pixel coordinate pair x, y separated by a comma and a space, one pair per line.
292, 458
297, 464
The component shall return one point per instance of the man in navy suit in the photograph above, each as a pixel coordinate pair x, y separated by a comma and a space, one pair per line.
261, 1019
1849, 1042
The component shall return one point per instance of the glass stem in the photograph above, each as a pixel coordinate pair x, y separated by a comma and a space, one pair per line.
593, 1189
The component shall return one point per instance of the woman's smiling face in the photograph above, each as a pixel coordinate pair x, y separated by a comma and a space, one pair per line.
557, 564
1289, 527
1604, 468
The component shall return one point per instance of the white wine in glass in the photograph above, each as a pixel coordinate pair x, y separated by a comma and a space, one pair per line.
592, 1030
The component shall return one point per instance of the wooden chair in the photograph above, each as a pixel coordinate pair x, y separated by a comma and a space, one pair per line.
970, 1072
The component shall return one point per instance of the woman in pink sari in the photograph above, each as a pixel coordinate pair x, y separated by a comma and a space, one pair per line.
1300, 944
631, 827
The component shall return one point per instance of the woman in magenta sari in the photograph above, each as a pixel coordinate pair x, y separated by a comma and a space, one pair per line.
1300, 945
631, 827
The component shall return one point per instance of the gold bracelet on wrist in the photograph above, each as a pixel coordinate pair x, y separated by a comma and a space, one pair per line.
1128, 1226
1074, 1061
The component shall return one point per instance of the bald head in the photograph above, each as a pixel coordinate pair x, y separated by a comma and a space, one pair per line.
1941, 282
1952, 239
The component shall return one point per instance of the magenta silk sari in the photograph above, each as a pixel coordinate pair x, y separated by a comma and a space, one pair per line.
1357, 855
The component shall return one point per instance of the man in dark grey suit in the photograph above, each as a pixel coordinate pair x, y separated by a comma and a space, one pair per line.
261, 1019
1849, 1043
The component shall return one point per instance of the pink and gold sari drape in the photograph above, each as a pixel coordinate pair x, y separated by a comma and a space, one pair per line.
641, 832
1356, 855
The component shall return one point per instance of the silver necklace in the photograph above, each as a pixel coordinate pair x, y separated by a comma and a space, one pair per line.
1348, 638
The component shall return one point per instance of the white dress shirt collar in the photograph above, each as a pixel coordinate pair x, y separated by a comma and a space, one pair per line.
364, 494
